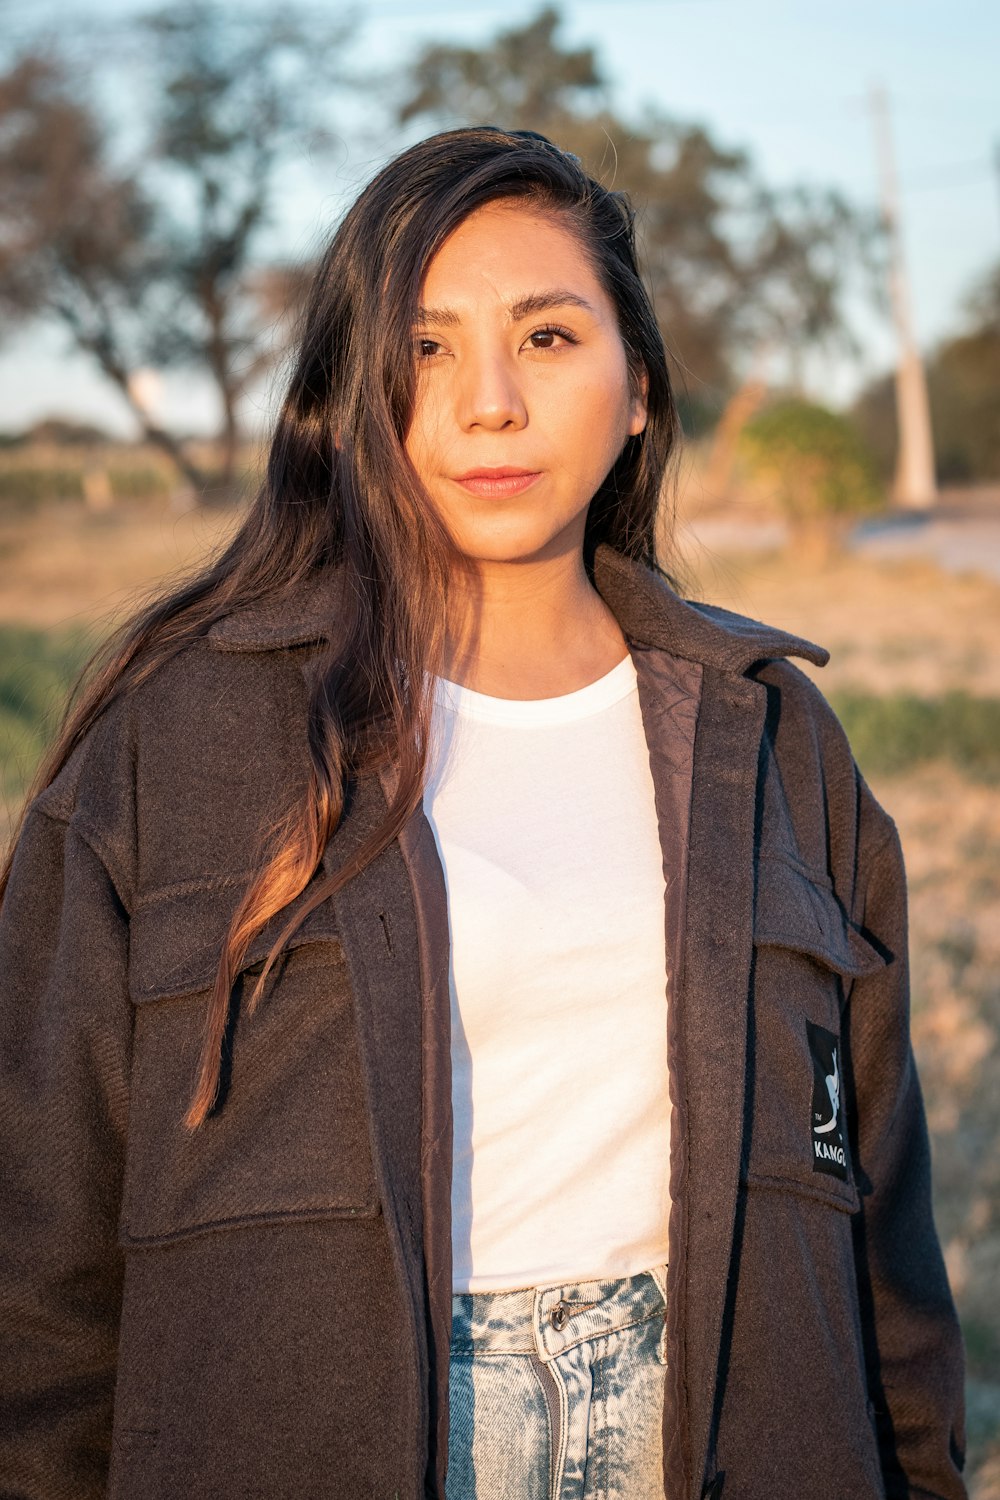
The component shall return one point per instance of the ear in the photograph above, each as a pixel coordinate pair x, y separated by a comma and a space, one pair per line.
638, 407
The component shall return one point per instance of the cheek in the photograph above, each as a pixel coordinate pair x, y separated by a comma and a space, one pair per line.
420, 441
432, 429
598, 412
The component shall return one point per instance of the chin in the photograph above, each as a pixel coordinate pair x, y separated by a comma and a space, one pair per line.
527, 546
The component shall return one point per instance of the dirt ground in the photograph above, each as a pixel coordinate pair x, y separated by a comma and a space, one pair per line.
64, 567
890, 625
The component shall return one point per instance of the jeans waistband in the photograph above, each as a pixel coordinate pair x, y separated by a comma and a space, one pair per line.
548, 1320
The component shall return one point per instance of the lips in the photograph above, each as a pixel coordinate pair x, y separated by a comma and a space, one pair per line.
497, 482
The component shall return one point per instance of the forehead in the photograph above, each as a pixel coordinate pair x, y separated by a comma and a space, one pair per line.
506, 248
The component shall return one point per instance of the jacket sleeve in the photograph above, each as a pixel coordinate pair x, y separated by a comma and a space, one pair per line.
913, 1344
64, 1044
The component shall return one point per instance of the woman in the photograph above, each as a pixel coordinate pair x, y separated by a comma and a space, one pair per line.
454, 991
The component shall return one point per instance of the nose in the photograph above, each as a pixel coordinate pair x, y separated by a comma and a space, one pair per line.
489, 394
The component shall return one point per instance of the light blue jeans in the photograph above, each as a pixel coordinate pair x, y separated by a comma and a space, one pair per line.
556, 1392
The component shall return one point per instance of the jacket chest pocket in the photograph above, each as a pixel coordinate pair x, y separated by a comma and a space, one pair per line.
806, 956
288, 1137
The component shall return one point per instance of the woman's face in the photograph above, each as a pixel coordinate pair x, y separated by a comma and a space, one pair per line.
523, 400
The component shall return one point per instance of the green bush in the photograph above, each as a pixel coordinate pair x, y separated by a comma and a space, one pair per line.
37, 670
815, 461
893, 732
140, 481
24, 486
30, 477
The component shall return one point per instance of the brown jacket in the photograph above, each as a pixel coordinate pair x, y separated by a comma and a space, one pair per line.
262, 1308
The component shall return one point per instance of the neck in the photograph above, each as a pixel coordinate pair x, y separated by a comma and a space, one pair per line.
535, 629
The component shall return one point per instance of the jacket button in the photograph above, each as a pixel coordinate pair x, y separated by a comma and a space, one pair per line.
559, 1316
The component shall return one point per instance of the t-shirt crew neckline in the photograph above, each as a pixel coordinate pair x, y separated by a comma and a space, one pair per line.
592, 699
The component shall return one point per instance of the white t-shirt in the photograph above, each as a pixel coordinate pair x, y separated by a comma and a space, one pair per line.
545, 822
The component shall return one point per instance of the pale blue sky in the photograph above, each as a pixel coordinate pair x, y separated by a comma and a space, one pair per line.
788, 79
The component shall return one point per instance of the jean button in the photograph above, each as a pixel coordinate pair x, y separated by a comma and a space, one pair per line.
559, 1316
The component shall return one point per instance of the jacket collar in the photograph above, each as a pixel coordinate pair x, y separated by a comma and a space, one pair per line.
648, 610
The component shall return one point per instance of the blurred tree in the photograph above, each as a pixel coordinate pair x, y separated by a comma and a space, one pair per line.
737, 269
158, 264
963, 381
874, 414
74, 235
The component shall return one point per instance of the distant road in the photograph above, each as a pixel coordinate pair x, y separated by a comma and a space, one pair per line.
959, 541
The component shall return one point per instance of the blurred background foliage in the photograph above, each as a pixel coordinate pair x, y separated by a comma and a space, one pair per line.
37, 670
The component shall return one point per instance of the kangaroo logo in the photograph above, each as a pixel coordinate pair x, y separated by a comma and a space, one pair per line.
827, 1133
832, 1081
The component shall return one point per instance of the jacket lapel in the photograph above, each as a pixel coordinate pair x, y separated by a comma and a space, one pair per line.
430, 900
703, 728
669, 698
711, 1002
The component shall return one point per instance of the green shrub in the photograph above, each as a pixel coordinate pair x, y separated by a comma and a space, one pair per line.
37, 670
140, 481
891, 733
24, 486
814, 460
31, 476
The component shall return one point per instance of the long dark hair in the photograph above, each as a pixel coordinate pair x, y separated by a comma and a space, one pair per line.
339, 489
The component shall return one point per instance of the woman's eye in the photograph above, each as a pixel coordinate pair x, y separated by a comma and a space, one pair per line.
426, 348
545, 338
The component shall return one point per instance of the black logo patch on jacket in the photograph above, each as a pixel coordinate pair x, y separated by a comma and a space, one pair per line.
829, 1140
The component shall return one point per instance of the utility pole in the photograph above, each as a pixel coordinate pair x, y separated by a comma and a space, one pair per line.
915, 486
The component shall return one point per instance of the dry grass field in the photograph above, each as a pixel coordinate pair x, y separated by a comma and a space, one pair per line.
892, 629
64, 567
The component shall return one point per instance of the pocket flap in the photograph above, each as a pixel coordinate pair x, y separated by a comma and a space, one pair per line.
288, 1138
797, 908
177, 936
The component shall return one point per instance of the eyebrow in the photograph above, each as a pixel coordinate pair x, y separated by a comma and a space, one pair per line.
522, 307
